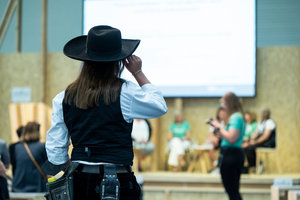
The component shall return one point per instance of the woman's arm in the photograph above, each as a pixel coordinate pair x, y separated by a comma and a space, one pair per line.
254, 135
142, 102
262, 138
57, 142
231, 135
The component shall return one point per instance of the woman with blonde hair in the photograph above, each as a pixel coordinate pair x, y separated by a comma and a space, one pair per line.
27, 177
231, 155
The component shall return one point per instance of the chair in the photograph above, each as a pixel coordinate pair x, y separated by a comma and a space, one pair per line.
281, 192
187, 158
200, 158
147, 163
293, 194
263, 153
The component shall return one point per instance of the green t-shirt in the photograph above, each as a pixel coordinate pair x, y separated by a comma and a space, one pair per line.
250, 128
179, 130
236, 121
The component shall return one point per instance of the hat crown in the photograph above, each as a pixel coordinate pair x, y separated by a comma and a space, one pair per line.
104, 40
102, 44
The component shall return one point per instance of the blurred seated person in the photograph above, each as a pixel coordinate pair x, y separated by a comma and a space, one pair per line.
4, 165
12, 148
214, 139
251, 126
179, 141
27, 178
141, 134
265, 136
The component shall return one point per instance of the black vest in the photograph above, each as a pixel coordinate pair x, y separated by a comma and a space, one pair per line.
99, 134
271, 141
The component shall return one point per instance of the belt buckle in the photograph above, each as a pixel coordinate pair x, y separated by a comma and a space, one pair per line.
110, 185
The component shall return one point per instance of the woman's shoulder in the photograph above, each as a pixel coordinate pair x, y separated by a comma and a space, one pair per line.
270, 121
59, 97
38, 147
236, 115
36, 144
270, 124
128, 86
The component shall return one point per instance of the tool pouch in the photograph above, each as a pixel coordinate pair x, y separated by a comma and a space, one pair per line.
110, 185
62, 188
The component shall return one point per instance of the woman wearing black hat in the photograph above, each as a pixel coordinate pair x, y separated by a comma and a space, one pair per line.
97, 111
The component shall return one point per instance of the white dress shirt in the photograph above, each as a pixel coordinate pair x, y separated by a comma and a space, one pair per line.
268, 124
136, 103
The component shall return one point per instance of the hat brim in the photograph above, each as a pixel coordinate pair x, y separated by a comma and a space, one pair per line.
76, 49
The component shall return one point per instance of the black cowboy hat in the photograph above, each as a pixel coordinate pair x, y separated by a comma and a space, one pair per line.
102, 44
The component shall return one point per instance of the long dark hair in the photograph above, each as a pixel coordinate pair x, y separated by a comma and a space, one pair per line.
233, 104
95, 80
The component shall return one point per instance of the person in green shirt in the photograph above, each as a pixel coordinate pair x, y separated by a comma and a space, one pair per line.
251, 125
231, 158
179, 141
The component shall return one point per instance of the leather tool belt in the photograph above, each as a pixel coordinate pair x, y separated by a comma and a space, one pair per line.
62, 188
99, 169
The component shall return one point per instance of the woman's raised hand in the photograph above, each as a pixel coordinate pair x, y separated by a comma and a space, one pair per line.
133, 64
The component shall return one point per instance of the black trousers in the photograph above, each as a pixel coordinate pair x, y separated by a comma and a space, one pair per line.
251, 155
231, 162
3, 189
250, 152
87, 186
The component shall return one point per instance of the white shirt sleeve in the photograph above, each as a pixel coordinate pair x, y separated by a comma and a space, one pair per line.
57, 142
141, 102
270, 124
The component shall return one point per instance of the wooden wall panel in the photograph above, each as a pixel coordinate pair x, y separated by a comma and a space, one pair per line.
18, 70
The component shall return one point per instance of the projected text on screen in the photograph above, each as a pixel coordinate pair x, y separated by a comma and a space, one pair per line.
189, 48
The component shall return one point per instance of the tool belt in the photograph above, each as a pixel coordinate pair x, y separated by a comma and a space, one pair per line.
110, 185
62, 189
99, 169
